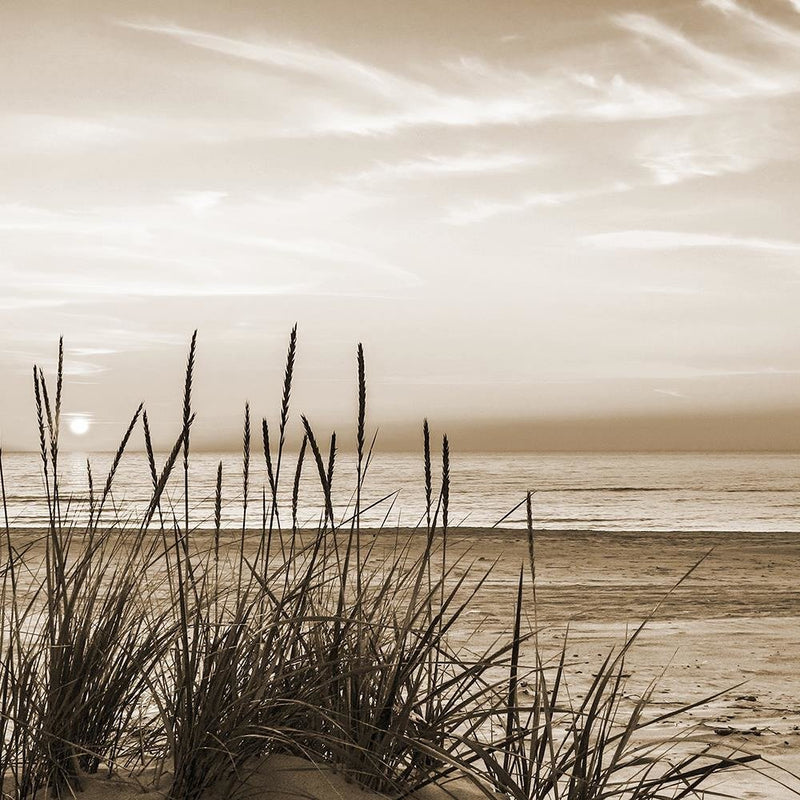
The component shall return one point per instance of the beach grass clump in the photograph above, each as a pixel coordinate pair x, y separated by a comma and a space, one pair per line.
157, 645
555, 747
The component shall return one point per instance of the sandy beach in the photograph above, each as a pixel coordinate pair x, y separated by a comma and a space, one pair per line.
729, 629
732, 625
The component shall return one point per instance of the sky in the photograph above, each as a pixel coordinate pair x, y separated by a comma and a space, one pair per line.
544, 220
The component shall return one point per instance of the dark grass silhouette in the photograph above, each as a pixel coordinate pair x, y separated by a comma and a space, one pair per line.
140, 644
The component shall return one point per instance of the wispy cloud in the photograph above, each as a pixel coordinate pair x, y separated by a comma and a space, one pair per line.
23, 303
675, 166
369, 99
297, 57
434, 166
200, 201
59, 134
740, 78
19, 217
351, 96
619, 98
195, 245
116, 334
75, 368
662, 290
84, 352
705, 372
482, 210
673, 240
671, 393
21, 359
772, 31
330, 93
733, 143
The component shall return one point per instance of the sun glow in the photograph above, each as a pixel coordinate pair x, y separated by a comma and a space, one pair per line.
79, 425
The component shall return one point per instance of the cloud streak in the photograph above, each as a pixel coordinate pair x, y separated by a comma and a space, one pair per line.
60, 133
443, 166
771, 31
467, 92
482, 210
739, 77
303, 58
676, 240
201, 244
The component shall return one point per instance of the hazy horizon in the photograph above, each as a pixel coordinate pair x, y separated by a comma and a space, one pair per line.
553, 226
764, 432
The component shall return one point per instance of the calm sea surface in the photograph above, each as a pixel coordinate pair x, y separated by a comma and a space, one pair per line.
658, 492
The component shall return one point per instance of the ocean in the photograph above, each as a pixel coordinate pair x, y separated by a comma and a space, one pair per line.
573, 491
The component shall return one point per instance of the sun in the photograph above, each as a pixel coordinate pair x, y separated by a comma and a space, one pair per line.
79, 425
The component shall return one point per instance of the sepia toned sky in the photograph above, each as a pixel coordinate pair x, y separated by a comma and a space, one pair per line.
528, 212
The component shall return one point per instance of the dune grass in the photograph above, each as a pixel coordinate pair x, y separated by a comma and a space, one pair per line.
141, 644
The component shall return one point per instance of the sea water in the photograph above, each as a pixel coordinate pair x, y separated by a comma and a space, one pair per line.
572, 491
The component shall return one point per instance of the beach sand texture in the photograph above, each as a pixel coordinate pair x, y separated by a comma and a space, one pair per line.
731, 627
